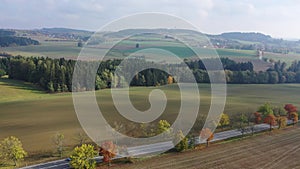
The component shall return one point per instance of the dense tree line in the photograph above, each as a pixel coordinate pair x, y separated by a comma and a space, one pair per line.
227, 64
8, 38
5, 32
55, 75
243, 73
6, 41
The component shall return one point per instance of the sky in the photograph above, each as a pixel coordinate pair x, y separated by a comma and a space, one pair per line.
278, 18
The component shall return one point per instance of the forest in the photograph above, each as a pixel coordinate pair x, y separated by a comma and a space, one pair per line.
8, 38
55, 75
7, 41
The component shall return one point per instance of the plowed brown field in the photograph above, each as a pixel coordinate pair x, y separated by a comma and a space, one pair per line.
280, 149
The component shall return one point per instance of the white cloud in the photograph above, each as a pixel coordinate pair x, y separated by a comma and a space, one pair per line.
278, 18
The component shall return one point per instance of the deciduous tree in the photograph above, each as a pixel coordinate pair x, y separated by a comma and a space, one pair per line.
294, 117
258, 118
279, 111
108, 150
181, 141
163, 126
266, 109
58, 141
206, 134
290, 108
83, 157
11, 149
271, 120
224, 121
281, 121
243, 121
170, 79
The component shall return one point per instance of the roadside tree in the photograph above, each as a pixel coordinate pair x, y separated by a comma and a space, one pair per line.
281, 121
108, 150
266, 110
271, 120
258, 118
279, 111
224, 121
11, 149
163, 125
58, 141
83, 157
206, 134
181, 141
290, 108
294, 117
242, 123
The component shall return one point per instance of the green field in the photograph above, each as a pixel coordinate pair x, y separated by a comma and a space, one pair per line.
127, 45
50, 49
35, 116
70, 50
288, 58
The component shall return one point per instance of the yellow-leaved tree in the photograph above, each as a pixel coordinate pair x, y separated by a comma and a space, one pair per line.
11, 149
83, 157
224, 121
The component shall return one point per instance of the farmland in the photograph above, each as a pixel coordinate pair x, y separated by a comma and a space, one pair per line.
57, 43
35, 116
69, 50
275, 150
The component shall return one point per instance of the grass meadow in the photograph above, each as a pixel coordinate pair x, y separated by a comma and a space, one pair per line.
35, 117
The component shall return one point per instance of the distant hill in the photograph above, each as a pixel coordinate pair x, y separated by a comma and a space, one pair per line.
251, 36
254, 41
8, 38
229, 40
65, 33
63, 30
127, 32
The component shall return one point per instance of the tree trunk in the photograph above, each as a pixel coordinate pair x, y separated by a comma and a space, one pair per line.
15, 162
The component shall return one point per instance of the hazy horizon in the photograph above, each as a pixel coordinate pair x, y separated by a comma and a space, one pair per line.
277, 18
291, 39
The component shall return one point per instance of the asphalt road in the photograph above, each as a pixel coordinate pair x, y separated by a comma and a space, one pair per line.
154, 148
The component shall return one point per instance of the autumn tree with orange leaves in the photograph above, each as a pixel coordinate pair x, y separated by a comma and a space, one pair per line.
294, 117
281, 121
257, 117
170, 79
290, 108
271, 120
207, 134
108, 150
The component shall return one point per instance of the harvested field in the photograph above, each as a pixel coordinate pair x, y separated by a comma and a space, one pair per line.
279, 149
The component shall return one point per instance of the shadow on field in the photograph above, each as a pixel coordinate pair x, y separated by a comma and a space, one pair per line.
17, 84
